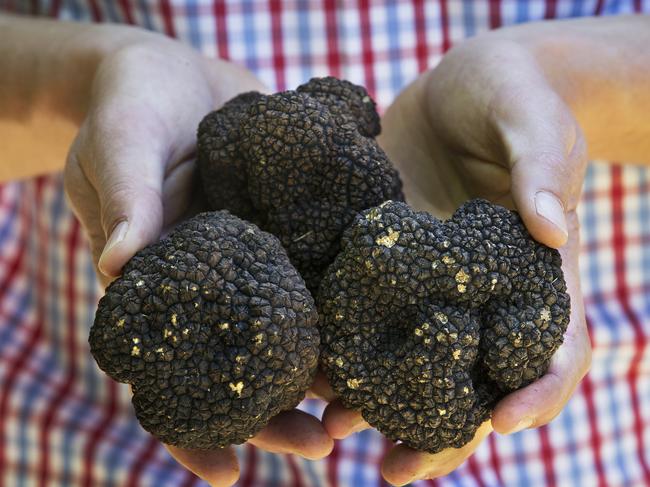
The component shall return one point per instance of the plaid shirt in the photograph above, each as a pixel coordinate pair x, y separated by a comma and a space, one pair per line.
63, 422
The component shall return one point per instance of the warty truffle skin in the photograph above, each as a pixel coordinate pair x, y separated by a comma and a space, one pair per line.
426, 324
300, 164
213, 328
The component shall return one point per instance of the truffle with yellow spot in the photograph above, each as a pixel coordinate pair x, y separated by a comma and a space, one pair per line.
442, 319
214, 329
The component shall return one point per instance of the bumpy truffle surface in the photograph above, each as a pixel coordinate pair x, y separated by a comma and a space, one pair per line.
214, 329
426, 324
300, 164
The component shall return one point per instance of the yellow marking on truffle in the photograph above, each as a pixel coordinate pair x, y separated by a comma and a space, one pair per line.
339, 273
338, 316
165, 288
135, 351
373, 215
224, 326
456, 354
388, 240
545, 314
174, 319
354, 383
418, 332
120, 323
385, 203
167, 333
447, 259
442, 412
425, 326
136, 340
441, 317
494, 283
239, 359
393, 281
435, 264
304, 235
466, 390
366, 99
446, 244
160, 350
174, 338
368, 265
462, 276
186, 331
339, 362
461, 288
194, 287
237, 388
258, 338
427, 341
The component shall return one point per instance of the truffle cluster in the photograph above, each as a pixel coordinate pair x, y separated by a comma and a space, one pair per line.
300, 164
425, 324
213, 328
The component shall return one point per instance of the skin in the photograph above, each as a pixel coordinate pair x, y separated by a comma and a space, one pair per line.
509, 116
479, 128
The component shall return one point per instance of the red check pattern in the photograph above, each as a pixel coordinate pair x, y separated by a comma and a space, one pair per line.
62, 422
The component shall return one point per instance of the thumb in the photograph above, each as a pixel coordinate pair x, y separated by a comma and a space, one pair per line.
129, 187
548, 157
131, 213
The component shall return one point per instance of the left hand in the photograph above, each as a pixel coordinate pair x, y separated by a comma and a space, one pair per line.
485, 123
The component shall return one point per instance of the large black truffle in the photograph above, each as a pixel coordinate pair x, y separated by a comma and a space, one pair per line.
300, 164
214, 329
426, 324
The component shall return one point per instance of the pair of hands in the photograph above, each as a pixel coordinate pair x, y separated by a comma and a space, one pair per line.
465, 129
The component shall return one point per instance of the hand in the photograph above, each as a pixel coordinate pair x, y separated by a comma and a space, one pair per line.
485, 123
130, 174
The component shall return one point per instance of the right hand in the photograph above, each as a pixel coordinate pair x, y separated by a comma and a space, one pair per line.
486, 123
130, 174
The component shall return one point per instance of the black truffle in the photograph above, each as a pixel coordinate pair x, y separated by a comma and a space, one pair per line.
214, 329
300, 164
426, 324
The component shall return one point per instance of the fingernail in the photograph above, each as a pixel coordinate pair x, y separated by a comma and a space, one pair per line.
522, 425
549, 207
119, 232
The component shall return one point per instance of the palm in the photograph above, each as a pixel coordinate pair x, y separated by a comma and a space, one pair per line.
436, 178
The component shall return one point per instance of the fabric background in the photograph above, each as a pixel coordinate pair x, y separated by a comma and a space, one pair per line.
63, 423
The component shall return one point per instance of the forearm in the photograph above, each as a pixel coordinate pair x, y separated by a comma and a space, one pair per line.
45, 84
601, 68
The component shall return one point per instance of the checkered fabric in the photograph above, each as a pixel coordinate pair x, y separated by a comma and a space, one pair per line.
63, 423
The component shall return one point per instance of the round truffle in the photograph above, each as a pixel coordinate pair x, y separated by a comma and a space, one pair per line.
426, 324
300, 164
213, 328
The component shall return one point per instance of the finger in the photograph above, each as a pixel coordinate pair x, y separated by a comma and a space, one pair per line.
547, 157
295, 432
541, 401
84, 203
124, 162
217, 467
403, 465
340, 422
321, 389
